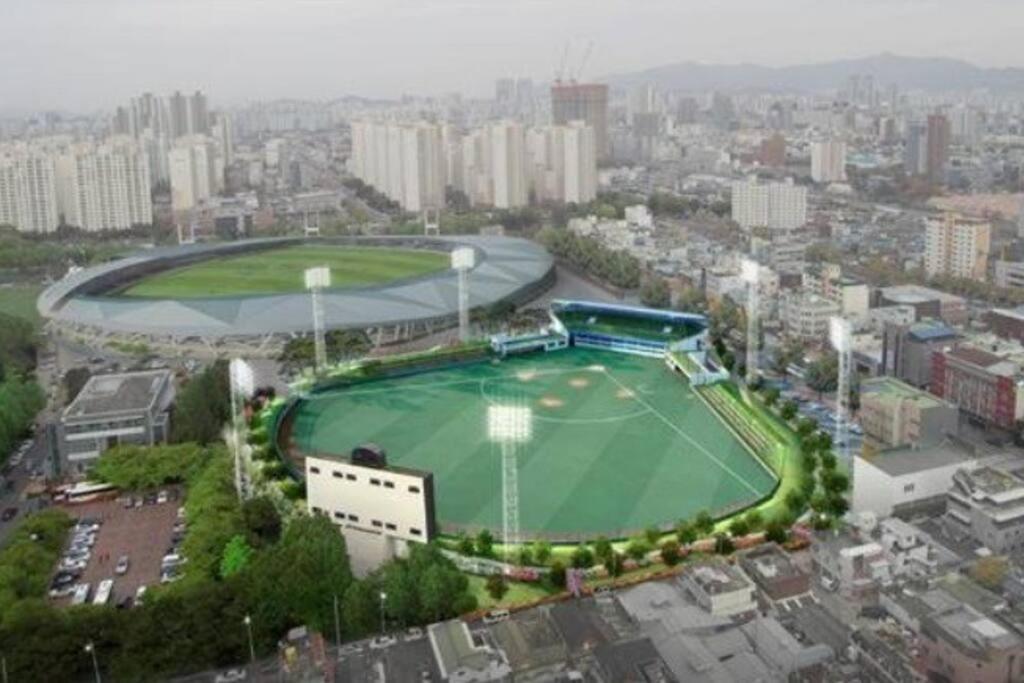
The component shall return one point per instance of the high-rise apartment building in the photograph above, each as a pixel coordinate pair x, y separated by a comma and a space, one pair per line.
105, 186
193, 172
828, 161
957, 246
772, 151
405, 162
938, 147
508, 169
777, 206
915, 149
587, 102
563, 163
28, 191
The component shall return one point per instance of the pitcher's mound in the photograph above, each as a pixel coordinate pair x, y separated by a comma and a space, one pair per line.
579, 382
625, 393
551, 402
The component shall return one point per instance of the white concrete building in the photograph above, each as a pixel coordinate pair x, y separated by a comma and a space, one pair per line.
379, 509
721, 589
28, 189
828, 161
777, 206
957, 246
806, 316
508, 165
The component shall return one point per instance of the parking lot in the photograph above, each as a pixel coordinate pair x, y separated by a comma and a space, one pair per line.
141, 529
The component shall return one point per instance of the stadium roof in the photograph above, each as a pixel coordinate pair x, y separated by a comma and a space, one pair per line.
505, 268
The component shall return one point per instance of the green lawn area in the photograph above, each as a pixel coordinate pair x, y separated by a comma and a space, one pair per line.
281, 270
518, 593
618, 442
20, 301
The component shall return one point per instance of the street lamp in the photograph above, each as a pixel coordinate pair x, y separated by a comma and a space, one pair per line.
383, 599
252, 648
91, 649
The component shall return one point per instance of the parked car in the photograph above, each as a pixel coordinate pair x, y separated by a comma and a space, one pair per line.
139, 593
71, 563
381, 642
496, 615
161, 498
80, 594
8, 514
122, 566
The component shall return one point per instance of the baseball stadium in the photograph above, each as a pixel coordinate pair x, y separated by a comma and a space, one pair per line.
248, 297
631, 425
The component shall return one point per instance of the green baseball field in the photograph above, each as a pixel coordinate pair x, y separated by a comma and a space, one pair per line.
617, 442
281, 270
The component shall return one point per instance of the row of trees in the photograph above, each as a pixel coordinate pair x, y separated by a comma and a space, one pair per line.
203, 406
618, 268
51, 253
299, 352
20, 397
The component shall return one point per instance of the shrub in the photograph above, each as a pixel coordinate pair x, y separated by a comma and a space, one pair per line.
670, 552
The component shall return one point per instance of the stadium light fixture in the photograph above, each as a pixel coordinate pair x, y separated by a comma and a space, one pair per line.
750, 273
509, 424
463, 260
318, 279
839, 334
242, 383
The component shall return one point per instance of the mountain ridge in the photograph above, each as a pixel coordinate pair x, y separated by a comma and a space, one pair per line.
919, 73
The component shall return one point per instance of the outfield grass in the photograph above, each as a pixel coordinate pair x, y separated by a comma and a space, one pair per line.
281, 270
618, 442
20, 301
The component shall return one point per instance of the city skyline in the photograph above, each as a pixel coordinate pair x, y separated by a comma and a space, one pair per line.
274, 49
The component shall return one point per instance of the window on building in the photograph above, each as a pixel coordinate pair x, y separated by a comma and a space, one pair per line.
350, 477
337, 475
375, 482
415, 532
339, 515
414, 489
909, 488
389, 526
314, 470
317, 510
377, 523
353, 518
389, 484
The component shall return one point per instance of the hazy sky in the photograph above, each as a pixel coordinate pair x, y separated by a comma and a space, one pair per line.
81, 54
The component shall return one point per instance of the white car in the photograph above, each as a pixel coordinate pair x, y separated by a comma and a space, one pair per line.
381, 642
80, 594
162, 497
495, 616
122, 566
140, 593
72, 563
414, 633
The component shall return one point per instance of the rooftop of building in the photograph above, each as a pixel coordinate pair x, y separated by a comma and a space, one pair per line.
456, 647
993, 479
897, 462
931, 330
768, 563
715, 578
918, 294
890, 389
118, 393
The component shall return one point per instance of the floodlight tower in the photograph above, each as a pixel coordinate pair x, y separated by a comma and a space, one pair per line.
750, 273
463, 260
432, 222
242, 387
509, 426
318, 279
839, 335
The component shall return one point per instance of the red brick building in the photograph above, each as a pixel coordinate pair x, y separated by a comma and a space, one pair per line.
983, 385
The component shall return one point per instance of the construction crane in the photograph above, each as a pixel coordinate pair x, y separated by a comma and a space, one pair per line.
583, 62
561, 67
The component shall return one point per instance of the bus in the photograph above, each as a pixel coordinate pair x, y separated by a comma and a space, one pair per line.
85, 491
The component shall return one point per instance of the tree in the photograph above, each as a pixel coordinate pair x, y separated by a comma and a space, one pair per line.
203, 406
638, 549
788, 410
602, 549
262, 520
990, 572
834, 482
828, 461
524, 557
464, 544
484, 543
805, 426
615, 564
652, 534
795, 501
776, 532
823, 374
496, 587
685, 532
738, 527
723, 544
542, 552
754, 520
74, 381
670, 552
556, 575
236, 556
771, 396
582, 557
704, 522
654, 292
